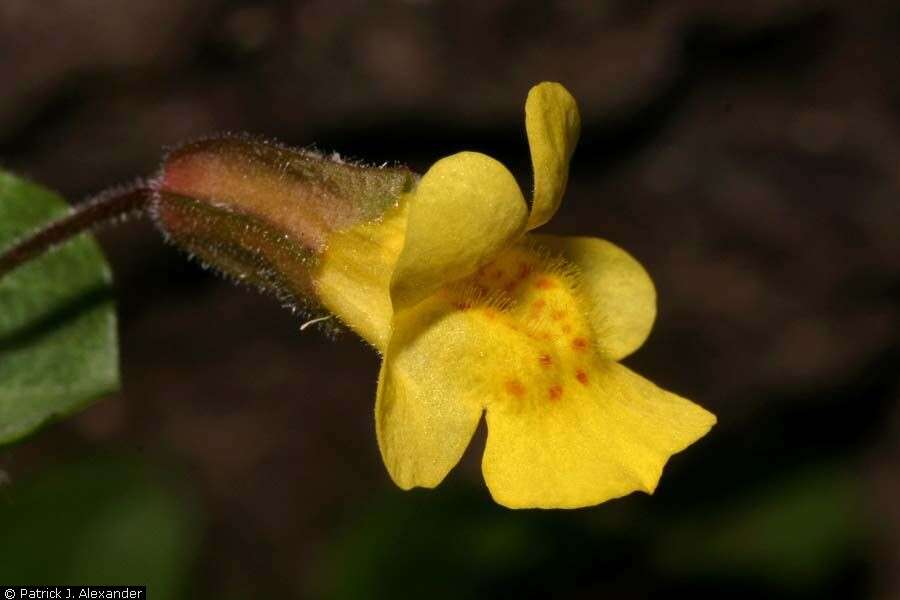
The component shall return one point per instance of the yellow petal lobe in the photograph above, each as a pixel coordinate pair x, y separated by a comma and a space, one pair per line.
428, 403
553, 124
464, 211
610, 433
619, 294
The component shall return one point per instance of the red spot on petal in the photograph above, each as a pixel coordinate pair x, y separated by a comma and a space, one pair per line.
460, 305
545, 283
515, 388
555, 392
545, 360
580, 344
581, 376
524, 270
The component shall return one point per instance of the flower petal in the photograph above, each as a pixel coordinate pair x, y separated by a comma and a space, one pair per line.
621, 296
428, 404
353, 277
466, 208
604, 440
553, 124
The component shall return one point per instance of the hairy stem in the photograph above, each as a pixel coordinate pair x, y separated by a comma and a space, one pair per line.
109, 207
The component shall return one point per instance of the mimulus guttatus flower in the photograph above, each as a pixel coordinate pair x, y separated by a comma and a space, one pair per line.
527, 329
473, 314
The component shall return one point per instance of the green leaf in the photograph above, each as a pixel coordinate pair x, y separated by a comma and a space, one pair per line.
58, 344
104, 520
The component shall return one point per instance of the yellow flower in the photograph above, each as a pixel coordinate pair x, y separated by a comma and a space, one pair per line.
474, 314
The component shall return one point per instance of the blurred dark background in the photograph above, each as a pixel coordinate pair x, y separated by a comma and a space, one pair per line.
748, 153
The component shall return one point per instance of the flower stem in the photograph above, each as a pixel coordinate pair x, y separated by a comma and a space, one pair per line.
110, 207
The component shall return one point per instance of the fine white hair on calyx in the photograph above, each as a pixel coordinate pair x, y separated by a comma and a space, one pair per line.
314, 321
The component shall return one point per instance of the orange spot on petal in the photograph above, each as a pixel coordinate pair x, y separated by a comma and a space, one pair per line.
545, 360
545, 283
581, 376
555, 392
556, 315
579, 344
524, 270
515, 388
